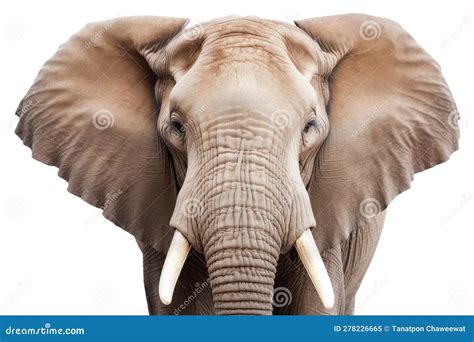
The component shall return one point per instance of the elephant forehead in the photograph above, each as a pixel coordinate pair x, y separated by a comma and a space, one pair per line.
238, 90
243, 88
243, 63
240, 26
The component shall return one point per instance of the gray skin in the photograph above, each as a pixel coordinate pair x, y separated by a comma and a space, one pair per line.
241, 134
244, 140
261, 121
346, 263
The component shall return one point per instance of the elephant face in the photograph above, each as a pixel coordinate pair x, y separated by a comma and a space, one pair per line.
240, 137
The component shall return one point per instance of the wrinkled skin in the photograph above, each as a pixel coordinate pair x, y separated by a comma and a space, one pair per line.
243, 168
241, 134
294, 293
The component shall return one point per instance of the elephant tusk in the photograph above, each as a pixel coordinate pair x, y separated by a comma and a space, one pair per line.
309, 255
174, 262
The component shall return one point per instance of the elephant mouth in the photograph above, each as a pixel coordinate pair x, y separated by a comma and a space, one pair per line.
305, 246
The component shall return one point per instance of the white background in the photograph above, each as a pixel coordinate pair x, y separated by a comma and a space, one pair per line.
59, 256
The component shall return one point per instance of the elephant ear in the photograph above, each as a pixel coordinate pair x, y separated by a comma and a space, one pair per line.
92, 112
391, 114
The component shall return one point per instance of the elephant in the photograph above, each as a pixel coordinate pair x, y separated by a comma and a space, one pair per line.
252, 160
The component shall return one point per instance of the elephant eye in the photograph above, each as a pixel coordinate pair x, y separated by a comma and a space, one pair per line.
311, 124
177, 127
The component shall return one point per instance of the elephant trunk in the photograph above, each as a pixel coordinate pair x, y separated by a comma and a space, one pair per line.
242, 279
242, 266
252, 211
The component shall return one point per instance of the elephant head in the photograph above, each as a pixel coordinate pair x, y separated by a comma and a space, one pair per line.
240, 137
